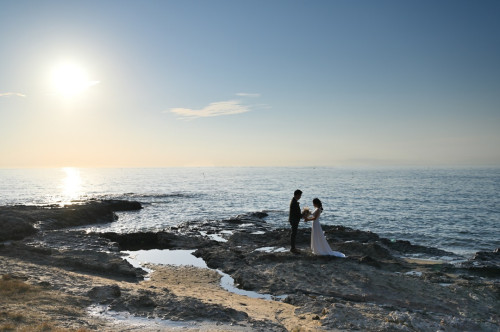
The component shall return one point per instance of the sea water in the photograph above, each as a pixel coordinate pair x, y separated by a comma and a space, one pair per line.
456, 209
185, 258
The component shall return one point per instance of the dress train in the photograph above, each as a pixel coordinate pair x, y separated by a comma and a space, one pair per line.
319, 244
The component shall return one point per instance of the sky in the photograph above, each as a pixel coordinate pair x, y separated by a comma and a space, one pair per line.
249, 83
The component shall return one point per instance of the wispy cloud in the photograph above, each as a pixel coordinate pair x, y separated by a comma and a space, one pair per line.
246, 94
12, 94
220, 108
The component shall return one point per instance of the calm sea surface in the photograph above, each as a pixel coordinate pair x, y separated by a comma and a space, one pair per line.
452, 209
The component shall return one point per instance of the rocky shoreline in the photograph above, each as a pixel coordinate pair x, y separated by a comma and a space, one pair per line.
377, 287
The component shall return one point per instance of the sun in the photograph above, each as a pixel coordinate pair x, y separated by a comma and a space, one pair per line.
69, 80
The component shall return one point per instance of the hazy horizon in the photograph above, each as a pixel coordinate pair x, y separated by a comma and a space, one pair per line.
342, 167
122, 84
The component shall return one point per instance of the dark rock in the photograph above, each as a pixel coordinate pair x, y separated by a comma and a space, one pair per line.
168, 306
151, 240
104, 294
246, 239
20, 221
214, 260
13, 227
89, 261
406, 247
373, 250
484, 263
44, 284
341, 233
251, 217
121, 205
136, 241
370, 290
489, 256
79, 215
144, 301
370, 261
260, 215
70, 239
97, 262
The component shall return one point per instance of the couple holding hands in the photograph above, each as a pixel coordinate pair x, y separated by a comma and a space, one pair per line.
319, 245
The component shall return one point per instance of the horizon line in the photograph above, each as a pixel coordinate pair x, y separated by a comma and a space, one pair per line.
256, 166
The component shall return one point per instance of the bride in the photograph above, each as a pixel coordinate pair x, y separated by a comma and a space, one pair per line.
319, 245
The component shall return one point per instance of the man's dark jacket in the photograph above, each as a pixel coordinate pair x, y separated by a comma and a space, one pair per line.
295, 214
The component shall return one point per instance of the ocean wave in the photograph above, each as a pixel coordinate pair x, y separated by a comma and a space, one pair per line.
151, 196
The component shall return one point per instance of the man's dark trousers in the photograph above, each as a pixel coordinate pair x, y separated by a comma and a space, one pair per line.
294, 219
293, 237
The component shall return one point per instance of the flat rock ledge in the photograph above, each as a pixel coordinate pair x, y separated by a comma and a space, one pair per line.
376, 288
20, 221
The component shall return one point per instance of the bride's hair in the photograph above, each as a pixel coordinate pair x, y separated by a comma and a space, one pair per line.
318, 203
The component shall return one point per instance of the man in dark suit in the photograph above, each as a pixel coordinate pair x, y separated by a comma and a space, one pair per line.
294, 218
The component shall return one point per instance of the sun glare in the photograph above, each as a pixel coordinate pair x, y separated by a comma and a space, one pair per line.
70, 80
71, 184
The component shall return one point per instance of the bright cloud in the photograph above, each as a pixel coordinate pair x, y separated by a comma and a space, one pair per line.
220, 108
245, 94
10, 94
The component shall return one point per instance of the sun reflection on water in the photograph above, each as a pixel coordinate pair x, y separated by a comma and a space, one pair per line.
71, 185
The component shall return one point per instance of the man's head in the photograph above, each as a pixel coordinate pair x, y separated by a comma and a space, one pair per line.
297, 194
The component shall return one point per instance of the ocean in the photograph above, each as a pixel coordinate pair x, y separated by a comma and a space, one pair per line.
455, 209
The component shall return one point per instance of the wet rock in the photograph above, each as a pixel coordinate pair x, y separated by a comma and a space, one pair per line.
152, 240
213, 258
260, 215
70, 216
488, 256
251, 217
121, 205
20, 221
371, 249
406, 248
110, 264
71, 240
104, 294
136, 241
484, 263
98, 262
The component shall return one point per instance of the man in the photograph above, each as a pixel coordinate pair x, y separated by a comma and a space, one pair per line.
294, 218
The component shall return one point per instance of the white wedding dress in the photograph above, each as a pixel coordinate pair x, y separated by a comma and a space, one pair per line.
319, 245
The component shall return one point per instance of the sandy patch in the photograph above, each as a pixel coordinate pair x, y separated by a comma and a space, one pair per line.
204, 285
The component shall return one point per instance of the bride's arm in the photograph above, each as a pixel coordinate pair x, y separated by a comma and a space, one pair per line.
314, 216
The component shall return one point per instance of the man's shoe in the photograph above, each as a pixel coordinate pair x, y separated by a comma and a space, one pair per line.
295, 251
